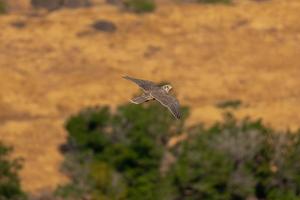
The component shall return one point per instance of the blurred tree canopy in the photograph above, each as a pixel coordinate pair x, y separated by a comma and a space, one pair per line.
10, 187
119, 155
238, 160
140, 6
2, 7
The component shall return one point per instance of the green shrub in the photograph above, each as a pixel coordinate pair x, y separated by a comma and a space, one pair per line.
236, 160
140, 6
118, 155
10, 187
2, 7
234, 104
215, 1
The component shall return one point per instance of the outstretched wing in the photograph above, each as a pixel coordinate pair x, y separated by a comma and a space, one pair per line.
141, 99
145, 85
168, 101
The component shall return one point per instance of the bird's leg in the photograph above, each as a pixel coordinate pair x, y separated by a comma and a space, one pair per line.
141, 99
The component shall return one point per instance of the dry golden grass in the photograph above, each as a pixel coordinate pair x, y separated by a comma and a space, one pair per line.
57, 64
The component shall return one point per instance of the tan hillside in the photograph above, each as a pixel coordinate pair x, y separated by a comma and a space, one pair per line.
55, 64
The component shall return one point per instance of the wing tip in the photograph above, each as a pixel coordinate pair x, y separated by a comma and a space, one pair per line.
178, 116
134, 102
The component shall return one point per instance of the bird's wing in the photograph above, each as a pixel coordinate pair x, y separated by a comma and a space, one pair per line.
168, 101
145, 85
141, 99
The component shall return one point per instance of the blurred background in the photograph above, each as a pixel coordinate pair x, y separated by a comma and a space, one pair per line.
68, 132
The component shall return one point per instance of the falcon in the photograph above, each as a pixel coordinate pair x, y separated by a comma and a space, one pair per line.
154, 92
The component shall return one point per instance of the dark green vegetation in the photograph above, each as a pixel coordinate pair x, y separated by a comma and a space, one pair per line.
120, 155
140, 6
2, 7
234, 104
238, 160
58, 4
215, 1
104, 26
9, 182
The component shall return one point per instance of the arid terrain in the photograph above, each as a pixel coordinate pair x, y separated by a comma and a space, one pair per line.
54, 64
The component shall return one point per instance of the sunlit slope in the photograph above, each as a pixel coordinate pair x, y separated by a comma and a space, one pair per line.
56, 64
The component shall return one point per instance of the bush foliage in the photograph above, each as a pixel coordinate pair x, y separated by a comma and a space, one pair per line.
140, 6
9, 181
118, 155
215, 1
238, 160
2, 7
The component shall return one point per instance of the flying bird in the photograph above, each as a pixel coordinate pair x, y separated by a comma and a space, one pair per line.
155, 92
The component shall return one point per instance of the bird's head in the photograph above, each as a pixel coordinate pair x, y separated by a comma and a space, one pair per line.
167, 88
